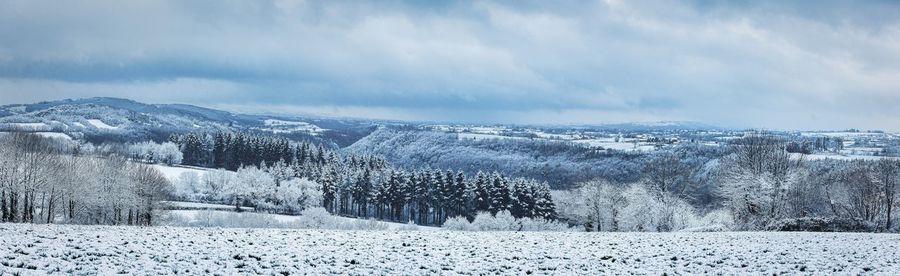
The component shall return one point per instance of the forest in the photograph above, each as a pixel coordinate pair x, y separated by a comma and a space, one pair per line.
758, 182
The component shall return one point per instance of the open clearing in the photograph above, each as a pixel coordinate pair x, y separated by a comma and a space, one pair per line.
39, 249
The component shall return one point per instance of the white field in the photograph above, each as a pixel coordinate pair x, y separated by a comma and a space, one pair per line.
105, 250
479, 136
824, 156
281, 126
172, 173
54, 135
100, 124
288, 221
184, 205
28, 126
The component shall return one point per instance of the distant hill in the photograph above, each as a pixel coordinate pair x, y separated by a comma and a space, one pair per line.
114, 119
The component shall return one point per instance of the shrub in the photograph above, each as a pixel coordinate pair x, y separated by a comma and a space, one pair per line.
812, 224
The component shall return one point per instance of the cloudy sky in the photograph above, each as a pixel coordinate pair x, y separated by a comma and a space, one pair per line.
763, 64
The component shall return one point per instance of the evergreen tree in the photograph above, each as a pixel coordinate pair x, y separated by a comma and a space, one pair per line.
361, 191
500, 197
327, 181
219, 150
522, 200
544, 206
423, 196
482, 198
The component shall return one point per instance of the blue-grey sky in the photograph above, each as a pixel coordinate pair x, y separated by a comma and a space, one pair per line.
763, 64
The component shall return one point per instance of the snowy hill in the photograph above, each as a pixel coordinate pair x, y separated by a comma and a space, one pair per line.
104, 119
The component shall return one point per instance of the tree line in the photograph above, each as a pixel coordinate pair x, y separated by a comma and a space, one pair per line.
47, 181
366, 186
759, 184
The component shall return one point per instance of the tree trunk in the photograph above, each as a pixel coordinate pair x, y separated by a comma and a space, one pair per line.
50, 208
3, 210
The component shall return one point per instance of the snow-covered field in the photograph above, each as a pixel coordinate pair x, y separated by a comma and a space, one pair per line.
172, 173
100, 124
824, 156
39, 249
281, 126
182, 205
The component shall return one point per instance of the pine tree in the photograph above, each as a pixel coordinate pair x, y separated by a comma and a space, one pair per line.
396, 195
499, 192
423, 196
192, 150
219, 150
361, 191
328, 189
522, 200
460, 195
544, 206
482, 198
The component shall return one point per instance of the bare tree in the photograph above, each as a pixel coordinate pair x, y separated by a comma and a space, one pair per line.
602, 204
864, 200
665, 173
887, 174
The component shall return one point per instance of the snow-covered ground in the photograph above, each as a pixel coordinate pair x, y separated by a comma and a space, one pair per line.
183, 205
52, 135
172, 173
100, 124
194, 216
26, 126
39, 249
823, 156
281, 126
479, 136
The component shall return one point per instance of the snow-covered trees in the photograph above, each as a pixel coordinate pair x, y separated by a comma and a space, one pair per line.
263, 189
602, 206
44, 181
361, 185
503, 221
756, 179
887, 177
298, 194
166, 153
232, 151
188, 183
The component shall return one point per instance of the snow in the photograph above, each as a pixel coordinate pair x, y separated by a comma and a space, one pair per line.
54, 135
842, 134
823, 156
200, 206
29, 126
172, 173
68, 249
282, 126
285, 220
100, 124
18, 109
478, 136
623, 144
78, 124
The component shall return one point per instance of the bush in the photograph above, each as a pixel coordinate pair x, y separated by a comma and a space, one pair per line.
503, 221
316, 218
708, 228
808, 224
456, 224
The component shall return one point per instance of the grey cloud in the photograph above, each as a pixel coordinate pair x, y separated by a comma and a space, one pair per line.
745, 63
